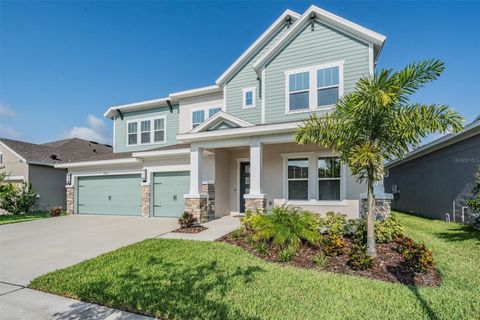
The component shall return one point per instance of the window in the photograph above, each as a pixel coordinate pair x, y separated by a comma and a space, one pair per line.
327, 86
249, 97
132, 133
213, 111
198, 117
145, 131
328, 178
159, 130
298, 91
298, 179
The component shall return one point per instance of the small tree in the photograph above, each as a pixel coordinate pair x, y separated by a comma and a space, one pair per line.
474, 203
18, 200
377, 122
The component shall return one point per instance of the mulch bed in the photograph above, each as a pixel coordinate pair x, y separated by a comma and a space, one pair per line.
388, 266
195, 229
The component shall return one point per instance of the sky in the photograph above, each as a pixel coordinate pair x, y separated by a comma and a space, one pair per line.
62, 64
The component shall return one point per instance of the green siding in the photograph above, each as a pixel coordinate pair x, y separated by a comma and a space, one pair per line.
121, 128
109, 195
309, 48
247, 78
168, 191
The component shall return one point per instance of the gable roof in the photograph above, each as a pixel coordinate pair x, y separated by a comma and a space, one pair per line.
56, 151
259, 43
217, 119
327, 18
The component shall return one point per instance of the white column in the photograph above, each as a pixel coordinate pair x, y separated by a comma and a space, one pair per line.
196, 168
256, 168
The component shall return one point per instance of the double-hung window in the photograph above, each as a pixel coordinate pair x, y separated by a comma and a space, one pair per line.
159, 130
328, 178
213, 111
132, 133
248, 97
198, 117
327, 86
145, 131
298, 179
299, 91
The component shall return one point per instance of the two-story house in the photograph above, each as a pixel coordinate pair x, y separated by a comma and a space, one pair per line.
230, 146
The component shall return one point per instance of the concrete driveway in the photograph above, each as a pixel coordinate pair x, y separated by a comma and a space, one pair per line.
30, 249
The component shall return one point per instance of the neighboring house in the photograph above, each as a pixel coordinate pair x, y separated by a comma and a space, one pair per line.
437, 178
34, 163
230, 146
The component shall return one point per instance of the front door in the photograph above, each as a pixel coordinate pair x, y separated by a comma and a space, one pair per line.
244, 183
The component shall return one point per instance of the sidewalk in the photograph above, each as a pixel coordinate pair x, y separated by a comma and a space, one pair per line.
216, 229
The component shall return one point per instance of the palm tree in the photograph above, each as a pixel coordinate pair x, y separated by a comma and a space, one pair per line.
377, 122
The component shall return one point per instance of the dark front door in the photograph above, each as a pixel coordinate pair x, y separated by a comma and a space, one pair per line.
244, 183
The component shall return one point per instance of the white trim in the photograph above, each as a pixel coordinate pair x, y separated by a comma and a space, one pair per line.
114, 136
14, 178
247, 54
313, 202
244, 98
195, 92
152, 131
225, 97
263, 96
219, 117
112, 173
161, 153
98, 163
240, 132
14, 153
325, 17
313, 86
371, 63
161, 102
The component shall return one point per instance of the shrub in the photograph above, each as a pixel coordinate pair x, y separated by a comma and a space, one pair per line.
17, 200
187, 220
333, 245
55, 212
236, 234
320, 260
262, 248
404, 243
287, 254
287, 227
251, 240
336, 223
416, 255
388, 230
359, 259
251, 219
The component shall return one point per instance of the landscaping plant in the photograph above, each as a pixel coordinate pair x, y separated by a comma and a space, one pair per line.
55, 212
359, 259
377, 122
416, 255
474, 203
187, 220
18, 199
320, 260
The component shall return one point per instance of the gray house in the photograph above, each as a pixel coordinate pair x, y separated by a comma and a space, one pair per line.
34, 163
435, 180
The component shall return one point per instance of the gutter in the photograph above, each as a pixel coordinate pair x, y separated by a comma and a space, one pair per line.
98, 163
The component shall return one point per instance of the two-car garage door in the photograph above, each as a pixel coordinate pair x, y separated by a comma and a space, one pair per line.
121, 194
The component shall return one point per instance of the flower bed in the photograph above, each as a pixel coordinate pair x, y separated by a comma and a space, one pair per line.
194, 229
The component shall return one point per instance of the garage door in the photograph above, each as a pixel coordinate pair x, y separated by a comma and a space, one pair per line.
168, 191
119, 194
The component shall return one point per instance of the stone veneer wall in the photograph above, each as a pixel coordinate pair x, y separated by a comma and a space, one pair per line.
252, 204
209, 190
145, 201
198, 208
70, 199
382, 208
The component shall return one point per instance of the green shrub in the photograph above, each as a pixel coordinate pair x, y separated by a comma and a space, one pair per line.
388, 230
236, 234
55, 212
416, 255
187, 220
320, 260
287, 227
336, 223
359, 259
251, 219
262, 248
17, 200
251, 240
287, 254
333, 244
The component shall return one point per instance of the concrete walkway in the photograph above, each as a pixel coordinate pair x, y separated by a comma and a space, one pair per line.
216, 229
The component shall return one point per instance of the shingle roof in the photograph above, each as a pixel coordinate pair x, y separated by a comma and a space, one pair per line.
61, 151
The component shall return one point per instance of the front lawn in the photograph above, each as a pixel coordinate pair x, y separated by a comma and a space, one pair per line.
205, 280
10, 218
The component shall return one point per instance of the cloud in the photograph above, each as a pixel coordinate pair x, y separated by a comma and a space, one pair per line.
95, 131
6, 111
9, 133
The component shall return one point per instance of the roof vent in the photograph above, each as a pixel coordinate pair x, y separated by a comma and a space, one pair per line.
53, 157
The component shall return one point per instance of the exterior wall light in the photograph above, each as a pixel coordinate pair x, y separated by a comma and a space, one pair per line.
144, 175
69, 179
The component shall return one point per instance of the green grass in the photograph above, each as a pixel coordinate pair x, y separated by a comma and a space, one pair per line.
201, 280
7, 219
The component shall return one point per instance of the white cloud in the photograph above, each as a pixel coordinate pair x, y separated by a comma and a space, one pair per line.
95, 131
6, 111
9, 133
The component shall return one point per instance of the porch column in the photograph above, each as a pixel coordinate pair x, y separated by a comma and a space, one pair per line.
196, 200
256, 199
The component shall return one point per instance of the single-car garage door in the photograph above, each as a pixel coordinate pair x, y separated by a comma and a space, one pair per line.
118, 194
168, 191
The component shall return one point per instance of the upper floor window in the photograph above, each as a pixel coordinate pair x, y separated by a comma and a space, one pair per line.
248, 97
199, 116
314, 87
299, 91
146, 131
213, 111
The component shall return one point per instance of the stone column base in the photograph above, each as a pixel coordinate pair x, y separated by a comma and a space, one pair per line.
145, 201
209, 190
382, 208
70, 199
197, 206
254, 203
